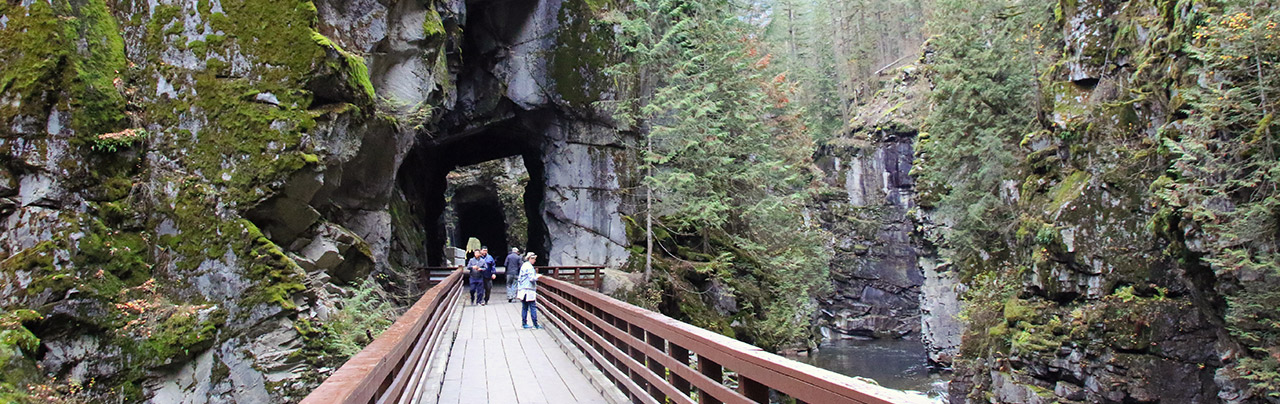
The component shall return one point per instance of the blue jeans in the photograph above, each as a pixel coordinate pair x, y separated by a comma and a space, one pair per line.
477, 291
526, 309
511, 286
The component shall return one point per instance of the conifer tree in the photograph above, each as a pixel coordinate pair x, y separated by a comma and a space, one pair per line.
1224, 181
730, 161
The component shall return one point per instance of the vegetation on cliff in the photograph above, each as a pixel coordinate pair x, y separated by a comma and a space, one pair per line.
1061, 139
1223, 181
728, 163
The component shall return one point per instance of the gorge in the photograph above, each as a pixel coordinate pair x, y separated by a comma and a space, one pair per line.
1065, 202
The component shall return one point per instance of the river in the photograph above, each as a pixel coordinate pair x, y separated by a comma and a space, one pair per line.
897, 364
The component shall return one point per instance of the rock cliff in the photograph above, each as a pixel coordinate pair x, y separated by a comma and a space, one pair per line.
191, 186
1084, 291
876, 281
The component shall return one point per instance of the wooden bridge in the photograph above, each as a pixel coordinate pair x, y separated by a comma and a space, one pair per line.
593, 349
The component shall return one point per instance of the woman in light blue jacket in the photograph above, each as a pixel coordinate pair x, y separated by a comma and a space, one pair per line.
527, 291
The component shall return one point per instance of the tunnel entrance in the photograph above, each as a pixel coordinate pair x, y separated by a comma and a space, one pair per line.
483, 128
480, 215
488, 184
486, 201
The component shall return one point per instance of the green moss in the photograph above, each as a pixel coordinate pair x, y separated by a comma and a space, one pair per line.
278, 276
124, 255
98, 106
200, 48
17, 344
585, 49
1066, 191
40, 263
1016, 310
59, 54
433, 27
354, 68
182, 334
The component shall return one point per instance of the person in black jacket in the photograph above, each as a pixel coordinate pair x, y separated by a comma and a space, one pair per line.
490, 273
477, 267
512, 263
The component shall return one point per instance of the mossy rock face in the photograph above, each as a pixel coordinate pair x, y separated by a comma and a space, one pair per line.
145, 246
585, 49
65, 57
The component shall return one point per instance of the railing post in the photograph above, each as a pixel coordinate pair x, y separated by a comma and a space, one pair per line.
713, 371
681, 355
638, 355
656, 367
753, 390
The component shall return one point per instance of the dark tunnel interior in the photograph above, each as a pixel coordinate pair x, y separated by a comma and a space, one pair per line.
483, 125
423, 177
480, 215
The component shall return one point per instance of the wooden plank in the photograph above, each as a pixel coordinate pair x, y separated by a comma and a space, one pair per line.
554, 388
570, 375
451, 387
527, 386
497, 373
473, 382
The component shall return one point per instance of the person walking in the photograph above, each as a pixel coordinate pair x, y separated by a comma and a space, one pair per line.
477, 267
491, 273
513, 272
528, 291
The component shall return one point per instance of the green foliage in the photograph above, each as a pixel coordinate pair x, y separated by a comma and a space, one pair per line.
833, 50
728, 160
115, 141
367, 312
985, 93
1226, 175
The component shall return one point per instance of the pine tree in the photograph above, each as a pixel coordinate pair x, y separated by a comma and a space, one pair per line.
1226, 176
985, 101
729, 159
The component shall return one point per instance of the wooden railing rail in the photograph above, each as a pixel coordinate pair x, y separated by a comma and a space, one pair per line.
653, 358
585, 276
589, 276
392, 368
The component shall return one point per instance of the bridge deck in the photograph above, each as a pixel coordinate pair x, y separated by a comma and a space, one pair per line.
494, 360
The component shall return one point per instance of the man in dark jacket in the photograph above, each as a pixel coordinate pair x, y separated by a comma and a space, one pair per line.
491, 272
513, 272
478, 269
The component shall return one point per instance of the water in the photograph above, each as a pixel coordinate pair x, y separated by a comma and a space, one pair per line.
897, 364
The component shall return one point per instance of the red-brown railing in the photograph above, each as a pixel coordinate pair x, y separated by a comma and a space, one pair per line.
586, 275
392, 368
591, 277
653, 358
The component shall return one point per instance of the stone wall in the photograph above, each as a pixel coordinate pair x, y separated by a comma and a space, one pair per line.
867, 207
189, 187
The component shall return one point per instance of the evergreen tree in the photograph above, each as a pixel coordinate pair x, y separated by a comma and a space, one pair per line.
728, 159
1225, 179
984, 102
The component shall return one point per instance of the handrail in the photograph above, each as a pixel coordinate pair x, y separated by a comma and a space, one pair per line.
392, 368
582, 275
653, 358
